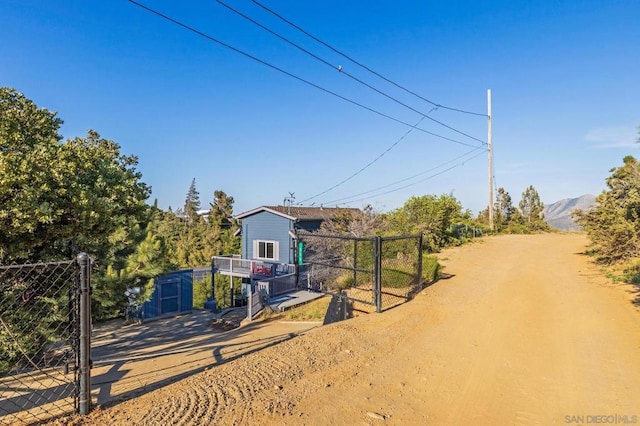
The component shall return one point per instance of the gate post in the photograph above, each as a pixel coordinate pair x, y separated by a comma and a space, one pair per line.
377, 271
85, 333
355, 262
420, 261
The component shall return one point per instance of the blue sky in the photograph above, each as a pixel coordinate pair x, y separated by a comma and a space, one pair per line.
564, 76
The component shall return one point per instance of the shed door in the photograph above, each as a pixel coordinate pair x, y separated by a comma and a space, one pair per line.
170, 296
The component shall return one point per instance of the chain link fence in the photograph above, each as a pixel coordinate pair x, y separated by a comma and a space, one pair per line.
400, 269
373, 273
40, 341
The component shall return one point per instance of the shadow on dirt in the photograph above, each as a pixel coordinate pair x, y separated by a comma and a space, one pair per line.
339, 309
198, 339
228, 320
636, 295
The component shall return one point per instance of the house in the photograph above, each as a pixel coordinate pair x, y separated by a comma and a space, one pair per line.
269, 246
268, 232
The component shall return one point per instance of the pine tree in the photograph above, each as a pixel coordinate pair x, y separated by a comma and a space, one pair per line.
192, 204
221, 209
613, 224
148, 261
530, 206
503, 210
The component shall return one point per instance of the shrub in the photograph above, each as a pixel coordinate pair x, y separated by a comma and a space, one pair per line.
631, 274
431, 268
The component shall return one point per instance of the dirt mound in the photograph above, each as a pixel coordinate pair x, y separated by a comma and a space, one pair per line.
228, 321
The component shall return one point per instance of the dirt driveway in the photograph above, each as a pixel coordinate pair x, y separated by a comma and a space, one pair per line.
525, 332
138, 358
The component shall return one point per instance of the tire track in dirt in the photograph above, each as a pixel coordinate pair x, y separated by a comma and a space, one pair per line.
233, 392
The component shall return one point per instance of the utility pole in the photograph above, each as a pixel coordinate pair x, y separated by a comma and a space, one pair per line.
490, 149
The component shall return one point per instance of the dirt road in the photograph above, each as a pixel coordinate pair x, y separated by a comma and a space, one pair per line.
526, 332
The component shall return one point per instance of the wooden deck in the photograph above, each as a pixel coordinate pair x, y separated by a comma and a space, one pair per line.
289, 300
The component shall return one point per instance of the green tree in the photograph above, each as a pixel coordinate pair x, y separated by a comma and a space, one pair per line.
192, 204
59, 196
150, 259
219, 229
531, 208
613, 225
221, 210
530, 205
194, 245
503, 210
432, 215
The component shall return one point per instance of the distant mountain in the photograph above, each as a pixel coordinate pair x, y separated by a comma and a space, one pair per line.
558, 214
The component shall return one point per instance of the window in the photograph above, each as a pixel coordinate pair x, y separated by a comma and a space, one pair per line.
265, 250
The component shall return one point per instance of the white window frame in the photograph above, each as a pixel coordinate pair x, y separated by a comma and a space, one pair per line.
276, 250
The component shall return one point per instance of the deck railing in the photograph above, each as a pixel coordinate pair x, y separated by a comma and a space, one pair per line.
277, 285
247, 267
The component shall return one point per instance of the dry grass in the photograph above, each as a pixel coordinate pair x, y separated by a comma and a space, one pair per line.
314, 310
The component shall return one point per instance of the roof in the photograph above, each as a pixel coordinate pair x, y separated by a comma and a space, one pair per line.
300, 213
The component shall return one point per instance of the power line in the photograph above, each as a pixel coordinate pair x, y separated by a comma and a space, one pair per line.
365, 167
388, 80
416, 182
409, 178
340, 69
274, 67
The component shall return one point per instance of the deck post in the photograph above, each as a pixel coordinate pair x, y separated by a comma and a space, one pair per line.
213, 287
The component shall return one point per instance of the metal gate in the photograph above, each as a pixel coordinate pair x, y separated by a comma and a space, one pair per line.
44, 340
374, 273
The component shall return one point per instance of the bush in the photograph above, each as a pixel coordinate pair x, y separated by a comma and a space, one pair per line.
202, 291
431, 268
631, 274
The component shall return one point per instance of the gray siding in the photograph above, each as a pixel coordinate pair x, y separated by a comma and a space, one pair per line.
270, 227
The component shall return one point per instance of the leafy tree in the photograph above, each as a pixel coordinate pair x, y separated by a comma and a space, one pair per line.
59, 196
434, 216
531, 208
221, 210
193, 245
504, 210
218, 234
530, 205
613, 225
508, 219
169, 226
149, 260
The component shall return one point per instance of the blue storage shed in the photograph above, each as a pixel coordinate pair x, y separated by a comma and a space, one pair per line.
173, 294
